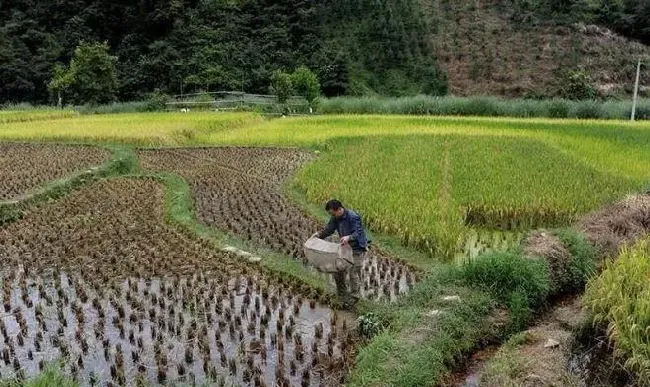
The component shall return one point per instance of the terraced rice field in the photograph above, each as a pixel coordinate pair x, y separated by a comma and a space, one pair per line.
240, 190
26, 167
100, 281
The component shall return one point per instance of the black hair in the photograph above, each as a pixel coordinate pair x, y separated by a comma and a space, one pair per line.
333, 205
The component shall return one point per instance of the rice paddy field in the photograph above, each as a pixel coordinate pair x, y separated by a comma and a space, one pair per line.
186, 266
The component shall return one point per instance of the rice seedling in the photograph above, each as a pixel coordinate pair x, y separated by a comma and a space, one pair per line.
26, 167
240, 190
122, 219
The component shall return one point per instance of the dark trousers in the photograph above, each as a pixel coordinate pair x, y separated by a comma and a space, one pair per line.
354, 274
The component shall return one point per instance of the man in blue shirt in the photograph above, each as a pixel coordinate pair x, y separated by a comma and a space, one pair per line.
347, 224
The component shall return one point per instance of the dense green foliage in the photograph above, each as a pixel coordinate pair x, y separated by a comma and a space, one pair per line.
90, 78
353, 46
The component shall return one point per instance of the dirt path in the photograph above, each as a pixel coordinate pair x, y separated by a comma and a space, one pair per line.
535, 357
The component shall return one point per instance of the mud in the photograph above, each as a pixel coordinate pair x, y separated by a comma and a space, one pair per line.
104, 284
239, 190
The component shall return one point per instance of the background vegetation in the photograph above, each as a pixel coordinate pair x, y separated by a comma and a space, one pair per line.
358, 47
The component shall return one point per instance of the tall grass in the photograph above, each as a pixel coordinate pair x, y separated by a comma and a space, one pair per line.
483, 106
620, 299
115, 107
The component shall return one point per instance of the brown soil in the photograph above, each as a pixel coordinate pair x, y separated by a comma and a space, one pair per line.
545, 245
617, 224
541, 358
99, 280
484, 52
26, 167
240, 190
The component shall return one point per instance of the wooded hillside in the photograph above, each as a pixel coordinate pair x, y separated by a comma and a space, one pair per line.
389, 47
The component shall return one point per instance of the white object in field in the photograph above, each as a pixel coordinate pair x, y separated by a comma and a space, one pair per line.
328, 257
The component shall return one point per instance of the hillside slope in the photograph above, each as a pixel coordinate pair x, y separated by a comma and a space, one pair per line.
509, 48
484, 51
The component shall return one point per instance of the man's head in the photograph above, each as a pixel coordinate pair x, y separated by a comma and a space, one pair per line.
335, 208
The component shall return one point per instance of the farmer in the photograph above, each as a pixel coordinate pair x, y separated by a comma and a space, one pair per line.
347, 224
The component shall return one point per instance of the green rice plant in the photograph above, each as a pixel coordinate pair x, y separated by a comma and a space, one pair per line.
620, 300
427, 180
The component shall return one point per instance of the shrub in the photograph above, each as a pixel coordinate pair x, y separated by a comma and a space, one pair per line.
281, 85
156, 101
578, 86
306, 84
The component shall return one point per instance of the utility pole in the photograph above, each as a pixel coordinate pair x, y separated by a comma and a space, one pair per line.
636, 89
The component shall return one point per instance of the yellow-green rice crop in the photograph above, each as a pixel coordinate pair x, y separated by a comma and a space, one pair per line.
147, 129
620, 299
7, 116
425, 179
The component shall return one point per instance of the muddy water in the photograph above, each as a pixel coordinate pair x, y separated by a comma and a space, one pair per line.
165, 330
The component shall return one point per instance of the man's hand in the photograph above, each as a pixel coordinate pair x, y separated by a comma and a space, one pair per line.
345, 240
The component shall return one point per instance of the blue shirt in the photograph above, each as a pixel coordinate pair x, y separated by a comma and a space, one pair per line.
347, 225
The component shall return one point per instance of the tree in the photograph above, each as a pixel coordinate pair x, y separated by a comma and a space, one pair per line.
306, 84
60, 83
94, 75
281, 85
90, 78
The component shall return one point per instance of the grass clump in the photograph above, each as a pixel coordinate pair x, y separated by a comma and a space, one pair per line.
619, 299
52, 376
520, 283
582, 264
425, 336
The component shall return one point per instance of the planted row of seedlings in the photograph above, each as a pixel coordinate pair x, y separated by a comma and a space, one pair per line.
240, 190
26, 167
101, 282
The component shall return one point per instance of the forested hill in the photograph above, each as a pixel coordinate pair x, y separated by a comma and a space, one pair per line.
390, 47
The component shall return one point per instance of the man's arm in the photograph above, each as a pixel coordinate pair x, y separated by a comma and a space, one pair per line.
329, 229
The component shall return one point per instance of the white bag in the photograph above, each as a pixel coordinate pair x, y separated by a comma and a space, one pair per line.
328, 257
